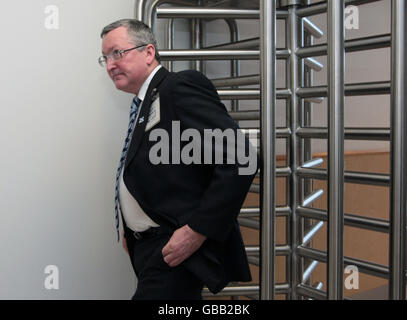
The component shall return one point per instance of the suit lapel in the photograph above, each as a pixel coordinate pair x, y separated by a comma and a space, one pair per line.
144, 112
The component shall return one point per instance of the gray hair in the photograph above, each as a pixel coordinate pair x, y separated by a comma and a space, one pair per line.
138, 31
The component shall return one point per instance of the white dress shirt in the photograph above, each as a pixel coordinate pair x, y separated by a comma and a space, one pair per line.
136, 219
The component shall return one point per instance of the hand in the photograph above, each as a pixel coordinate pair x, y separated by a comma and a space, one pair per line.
125, 244
183, 243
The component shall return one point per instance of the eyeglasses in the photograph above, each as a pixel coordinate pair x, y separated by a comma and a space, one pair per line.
116, 55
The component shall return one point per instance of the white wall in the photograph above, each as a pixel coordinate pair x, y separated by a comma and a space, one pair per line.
62, 125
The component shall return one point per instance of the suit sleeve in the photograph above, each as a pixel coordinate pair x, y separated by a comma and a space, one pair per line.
197, 105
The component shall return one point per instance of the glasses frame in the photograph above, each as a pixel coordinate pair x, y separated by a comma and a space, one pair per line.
103, 59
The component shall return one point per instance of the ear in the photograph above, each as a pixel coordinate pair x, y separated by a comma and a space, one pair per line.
150, 51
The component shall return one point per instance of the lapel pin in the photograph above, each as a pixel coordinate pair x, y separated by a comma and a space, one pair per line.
141, 120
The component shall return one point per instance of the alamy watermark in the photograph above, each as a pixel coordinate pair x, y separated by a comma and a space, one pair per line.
51, 21
218, 147
352, 17
51, 281
352, 280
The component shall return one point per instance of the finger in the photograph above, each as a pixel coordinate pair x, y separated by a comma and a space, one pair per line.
167, 248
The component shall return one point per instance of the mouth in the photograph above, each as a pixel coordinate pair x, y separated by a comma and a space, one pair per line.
117, 76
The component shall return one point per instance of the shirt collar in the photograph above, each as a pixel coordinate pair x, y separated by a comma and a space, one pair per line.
143, 90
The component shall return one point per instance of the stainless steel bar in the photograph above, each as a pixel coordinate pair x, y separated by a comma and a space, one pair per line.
307, 273
351, 220
354, 45
233, 291
213, 13
249, 94
209, 13
382, 134
281, 250
171, 41
245, 115
313, 163
308, 237
234, 64
366, 267
293, 152
319, 7
375, 179
313, 64
310, 292
236, 81
183, 55
336, 160
252, 43
312, 29
268, 44
353, 89
398, 182
312, 197
249, 223
314, 100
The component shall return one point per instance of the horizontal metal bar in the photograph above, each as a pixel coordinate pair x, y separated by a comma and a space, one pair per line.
281, 250
350, 176
236, 81
312, 29
255, 212
210, 13
314, 100
200, 54
354, 45
213, 13
249, 212
350, 220
366, 267
233, 291
255, 188
319, 7
354, 89
313, 64
308, 237
283, 172
249, 223
310, 292
312, 197
313, 163
283, 211
250, 94
245, 115
377, 134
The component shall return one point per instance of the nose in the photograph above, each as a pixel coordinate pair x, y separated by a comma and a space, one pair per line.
110, 64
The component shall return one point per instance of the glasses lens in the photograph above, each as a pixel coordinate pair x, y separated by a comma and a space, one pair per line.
116, 55
102, 61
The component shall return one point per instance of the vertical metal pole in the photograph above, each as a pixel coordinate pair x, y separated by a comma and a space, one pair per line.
293, 152
336, 97
195, 43
398, 185
234, 64
171, 40
268, 45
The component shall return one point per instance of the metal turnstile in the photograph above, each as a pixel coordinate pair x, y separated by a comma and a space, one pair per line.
303, 221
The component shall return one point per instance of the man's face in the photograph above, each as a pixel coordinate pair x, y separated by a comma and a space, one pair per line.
128, 73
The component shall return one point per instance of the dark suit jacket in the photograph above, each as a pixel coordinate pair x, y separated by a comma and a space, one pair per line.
207, 197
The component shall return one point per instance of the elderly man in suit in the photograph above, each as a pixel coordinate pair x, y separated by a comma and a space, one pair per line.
179, 219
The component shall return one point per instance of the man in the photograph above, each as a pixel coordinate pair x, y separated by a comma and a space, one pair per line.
179, 220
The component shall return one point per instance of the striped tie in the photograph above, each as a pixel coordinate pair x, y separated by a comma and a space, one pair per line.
133, 112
